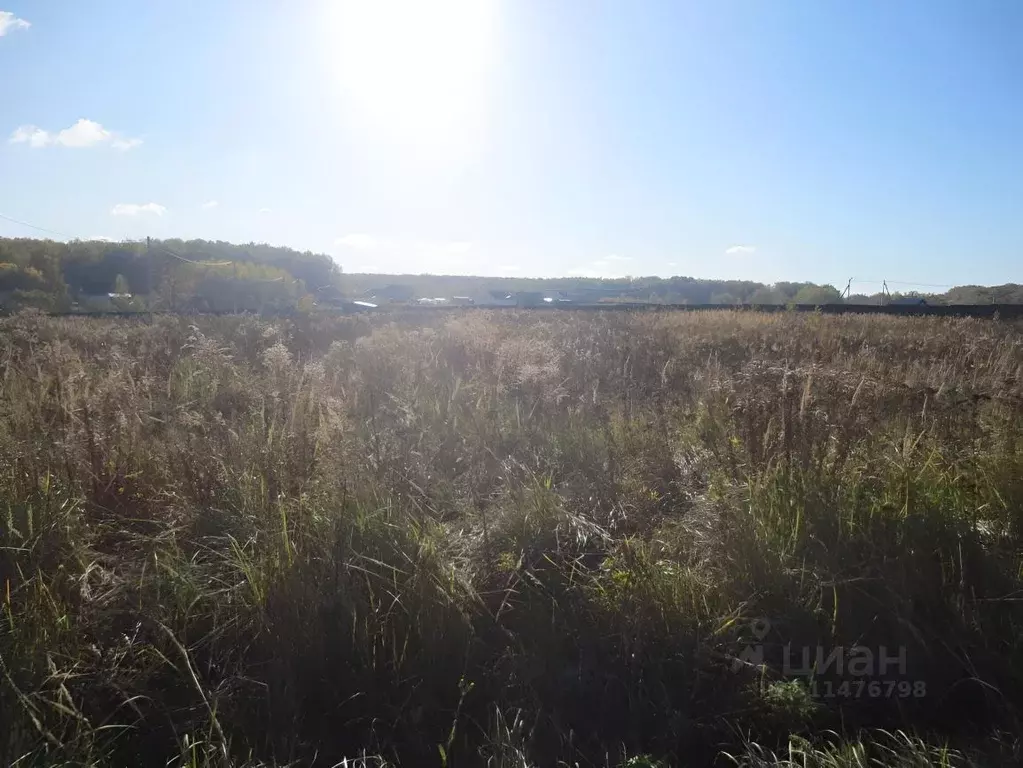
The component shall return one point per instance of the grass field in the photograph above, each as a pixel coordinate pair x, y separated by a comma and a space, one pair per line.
511, 539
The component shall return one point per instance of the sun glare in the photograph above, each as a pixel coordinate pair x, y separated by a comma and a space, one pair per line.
416, 68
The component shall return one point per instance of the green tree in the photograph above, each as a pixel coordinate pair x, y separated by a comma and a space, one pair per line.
818, 294
767, 295
862, 298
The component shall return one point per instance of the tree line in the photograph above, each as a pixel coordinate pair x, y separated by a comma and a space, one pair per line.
198, 275
203, 275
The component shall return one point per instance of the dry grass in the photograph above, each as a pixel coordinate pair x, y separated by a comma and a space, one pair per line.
507, 539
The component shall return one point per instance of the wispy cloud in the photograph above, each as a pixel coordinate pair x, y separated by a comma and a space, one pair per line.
509, 268
124, 144
209, 205
612, 265
84, 133
134, 209
9, 23
740, 250
265, 210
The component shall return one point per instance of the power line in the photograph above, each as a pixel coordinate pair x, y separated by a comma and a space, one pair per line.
925, 285
904, 282
33, 226
179, 257
159, 247
169, 252
164, 249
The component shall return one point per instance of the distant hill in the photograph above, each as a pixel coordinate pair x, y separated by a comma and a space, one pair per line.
667, 290
213, 275
670, 290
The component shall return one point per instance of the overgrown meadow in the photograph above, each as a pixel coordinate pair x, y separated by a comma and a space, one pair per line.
511, 538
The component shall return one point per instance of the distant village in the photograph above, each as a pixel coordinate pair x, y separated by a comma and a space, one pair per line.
405, 294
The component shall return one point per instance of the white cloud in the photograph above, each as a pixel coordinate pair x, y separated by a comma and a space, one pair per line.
9, 23
134, 209
84, 133
29, 134
509, 268
609, 266
265, 210
210, 205
740, 250
358, 242
100, 238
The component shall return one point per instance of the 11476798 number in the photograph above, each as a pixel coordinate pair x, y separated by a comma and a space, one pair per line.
874, 689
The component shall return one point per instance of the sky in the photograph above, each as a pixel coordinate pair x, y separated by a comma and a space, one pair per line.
743, 139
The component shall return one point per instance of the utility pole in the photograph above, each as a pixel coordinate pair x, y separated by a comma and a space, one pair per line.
149, 260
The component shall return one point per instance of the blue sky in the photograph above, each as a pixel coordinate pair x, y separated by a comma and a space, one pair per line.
769, 140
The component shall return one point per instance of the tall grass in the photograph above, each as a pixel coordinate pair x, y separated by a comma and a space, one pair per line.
509, 539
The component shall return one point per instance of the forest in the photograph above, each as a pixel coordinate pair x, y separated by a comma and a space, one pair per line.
194, 275
201, 276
